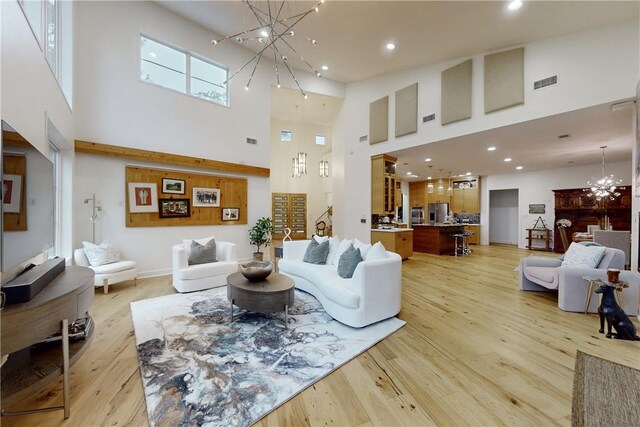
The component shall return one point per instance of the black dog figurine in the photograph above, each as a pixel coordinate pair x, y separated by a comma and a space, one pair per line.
616, 317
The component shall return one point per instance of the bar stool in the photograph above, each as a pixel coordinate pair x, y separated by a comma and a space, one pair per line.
465, 242
457, 236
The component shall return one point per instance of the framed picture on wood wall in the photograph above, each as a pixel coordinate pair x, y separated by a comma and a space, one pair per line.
173, 186
174, 208
230, 214
11, 193
143, 197
206, 197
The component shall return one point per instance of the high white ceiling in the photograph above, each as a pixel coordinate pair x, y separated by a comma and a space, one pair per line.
351, 34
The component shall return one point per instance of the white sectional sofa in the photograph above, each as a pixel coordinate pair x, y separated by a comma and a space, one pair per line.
371, 295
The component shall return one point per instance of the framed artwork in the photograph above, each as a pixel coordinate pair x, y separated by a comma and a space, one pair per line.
537, 208
230, 214
11, 193
173, 186
206, 197
174, 208
143, 197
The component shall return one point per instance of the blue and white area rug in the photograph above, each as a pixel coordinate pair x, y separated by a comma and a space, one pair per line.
199, 369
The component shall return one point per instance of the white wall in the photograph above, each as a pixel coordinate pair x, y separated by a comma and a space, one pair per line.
503, 216
31, 98
316, 188
593, 67
537, 187
114, 107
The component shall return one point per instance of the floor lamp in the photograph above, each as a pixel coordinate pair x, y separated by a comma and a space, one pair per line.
94, 215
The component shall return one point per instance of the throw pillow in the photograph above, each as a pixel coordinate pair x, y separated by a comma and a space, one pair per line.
316, 252
101, 254
561, 257
364, 247
377, 251
187, 243
202, 254
580, 256
320, 239
348, 262
344, 245
334, 242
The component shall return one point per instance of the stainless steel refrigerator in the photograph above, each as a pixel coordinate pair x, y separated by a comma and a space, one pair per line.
437, 212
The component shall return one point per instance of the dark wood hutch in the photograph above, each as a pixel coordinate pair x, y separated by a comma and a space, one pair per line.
575, 205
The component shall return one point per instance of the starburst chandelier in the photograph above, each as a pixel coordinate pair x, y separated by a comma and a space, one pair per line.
273, 32
604, 188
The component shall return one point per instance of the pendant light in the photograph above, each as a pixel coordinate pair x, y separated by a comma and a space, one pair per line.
605, 187
440, 184
449, 188
430, 184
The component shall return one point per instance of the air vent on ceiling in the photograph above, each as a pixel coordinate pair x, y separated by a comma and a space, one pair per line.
252, 141
566, 135
549, 81
428, 118
363, 138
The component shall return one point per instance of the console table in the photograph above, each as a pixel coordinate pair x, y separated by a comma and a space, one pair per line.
542, 235
67, 298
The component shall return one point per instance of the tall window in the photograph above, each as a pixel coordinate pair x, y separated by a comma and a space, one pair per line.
51, 28
54, 156
58, 42
182, 71
33, 11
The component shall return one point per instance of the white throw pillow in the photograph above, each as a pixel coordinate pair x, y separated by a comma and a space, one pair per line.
101, 254
321, 239
187, 243
334, 242
377, 251
343, 246
580, 256
364, 247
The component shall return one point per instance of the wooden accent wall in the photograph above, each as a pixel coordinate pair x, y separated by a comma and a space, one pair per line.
16, 165
574, 205
233, 194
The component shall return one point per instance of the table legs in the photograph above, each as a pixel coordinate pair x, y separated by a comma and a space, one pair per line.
286, 322
593, 284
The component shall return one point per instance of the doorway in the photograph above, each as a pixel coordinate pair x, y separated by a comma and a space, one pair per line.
503, 217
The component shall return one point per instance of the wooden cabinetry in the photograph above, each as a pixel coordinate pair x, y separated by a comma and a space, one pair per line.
398, 193
383, 185
475, 238
438, 198
400, 242
539, 239
289, 210
465, 199
575, 205
418, 194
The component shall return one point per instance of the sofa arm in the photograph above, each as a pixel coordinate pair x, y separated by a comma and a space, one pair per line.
539, 261
294, 249
226, 251
573, 289
179, 258
379, 284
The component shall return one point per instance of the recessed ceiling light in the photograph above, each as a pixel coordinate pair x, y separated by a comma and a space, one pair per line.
428, 159
390, 46
429, 177
408, 173
325, 68
491, 149
515, 5
519, 168
508, 159
264, 33
468, 173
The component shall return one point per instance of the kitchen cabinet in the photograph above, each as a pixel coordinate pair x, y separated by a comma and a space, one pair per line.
398, 241
418, 194
475, 238
465, 200
383, 185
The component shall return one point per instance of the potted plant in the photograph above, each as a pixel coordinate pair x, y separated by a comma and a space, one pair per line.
260, 235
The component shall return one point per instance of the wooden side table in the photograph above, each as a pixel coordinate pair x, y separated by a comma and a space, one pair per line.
598, 281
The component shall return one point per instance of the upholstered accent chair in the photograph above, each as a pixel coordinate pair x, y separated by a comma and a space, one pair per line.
108, 274
189, 278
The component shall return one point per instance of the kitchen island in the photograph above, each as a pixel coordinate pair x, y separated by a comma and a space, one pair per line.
435, 238
398, 240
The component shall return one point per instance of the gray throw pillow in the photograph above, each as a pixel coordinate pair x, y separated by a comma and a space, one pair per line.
316, 252
348, 262
202, 254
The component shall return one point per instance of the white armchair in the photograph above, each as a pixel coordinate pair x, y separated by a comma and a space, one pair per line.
189, 278
108, 274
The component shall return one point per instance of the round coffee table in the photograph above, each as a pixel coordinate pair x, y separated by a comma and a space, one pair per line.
275, 293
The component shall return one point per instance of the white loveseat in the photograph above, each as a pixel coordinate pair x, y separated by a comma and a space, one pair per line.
372, 294
189, 278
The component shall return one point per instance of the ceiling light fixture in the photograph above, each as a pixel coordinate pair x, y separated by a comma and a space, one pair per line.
450, 187
299, 164
390, 46
605, 187
491, 149
430, 184
519, 168
440, 184
515, 5
468, 173
324, 169
272, 31
508, 159
428, 159
324, 68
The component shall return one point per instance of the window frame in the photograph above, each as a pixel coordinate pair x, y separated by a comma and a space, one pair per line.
324, 139
32, 25
54, 156
188, 55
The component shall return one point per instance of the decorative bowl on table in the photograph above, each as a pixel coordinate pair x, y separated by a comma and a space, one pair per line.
256, 271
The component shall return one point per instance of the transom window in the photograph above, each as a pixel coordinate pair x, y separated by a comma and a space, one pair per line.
321, 139
285, 135
182, 71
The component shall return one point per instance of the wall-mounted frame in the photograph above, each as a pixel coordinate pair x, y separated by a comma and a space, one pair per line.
230, 214
11, 193
143, 197
173, 186
206, 197
174, 208
537, 208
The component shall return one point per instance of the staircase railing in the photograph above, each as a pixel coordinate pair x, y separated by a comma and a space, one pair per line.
323, 223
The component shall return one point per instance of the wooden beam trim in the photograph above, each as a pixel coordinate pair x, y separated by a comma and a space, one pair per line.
167, 158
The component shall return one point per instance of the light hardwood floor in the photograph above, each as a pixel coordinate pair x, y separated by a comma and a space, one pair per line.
475, 351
